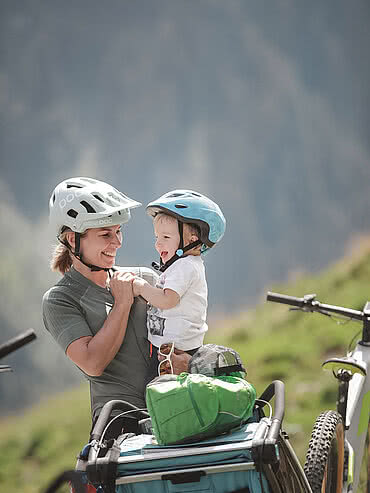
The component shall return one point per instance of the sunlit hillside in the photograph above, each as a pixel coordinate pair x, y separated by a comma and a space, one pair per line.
275, 343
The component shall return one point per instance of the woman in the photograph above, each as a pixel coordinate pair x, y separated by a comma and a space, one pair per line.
91, 312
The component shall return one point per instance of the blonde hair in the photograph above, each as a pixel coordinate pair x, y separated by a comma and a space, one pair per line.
62, 259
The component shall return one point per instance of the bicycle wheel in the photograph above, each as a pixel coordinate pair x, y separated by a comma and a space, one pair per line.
325, 455
364, 483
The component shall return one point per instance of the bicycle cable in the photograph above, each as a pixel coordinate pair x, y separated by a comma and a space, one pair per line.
100, 444
349, 350
269, 406
342, 321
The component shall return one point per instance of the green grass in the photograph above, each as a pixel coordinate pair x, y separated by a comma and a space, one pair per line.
275, 343
43, 442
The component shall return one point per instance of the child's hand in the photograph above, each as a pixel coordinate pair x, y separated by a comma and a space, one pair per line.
137, 285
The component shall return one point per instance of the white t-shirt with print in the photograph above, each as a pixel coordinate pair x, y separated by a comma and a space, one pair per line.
185, 324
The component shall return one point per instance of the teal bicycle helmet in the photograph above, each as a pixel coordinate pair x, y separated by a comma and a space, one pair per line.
191, 207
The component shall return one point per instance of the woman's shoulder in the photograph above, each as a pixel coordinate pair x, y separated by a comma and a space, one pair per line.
66, 288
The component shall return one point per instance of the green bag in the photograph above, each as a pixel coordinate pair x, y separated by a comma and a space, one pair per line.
190, 407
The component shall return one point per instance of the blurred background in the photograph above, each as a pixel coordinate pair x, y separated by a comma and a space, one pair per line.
263, 106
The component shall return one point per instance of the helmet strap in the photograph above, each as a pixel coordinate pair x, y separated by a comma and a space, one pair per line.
179, 254
78, 254
180, 251
181, 233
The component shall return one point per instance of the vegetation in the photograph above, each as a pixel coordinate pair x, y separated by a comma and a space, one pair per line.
275, 343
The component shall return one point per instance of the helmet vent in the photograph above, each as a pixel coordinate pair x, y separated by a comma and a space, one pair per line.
73, 186
88, 207
53, 198
176, 194
72, 213
99, 198
181, 206
196, 194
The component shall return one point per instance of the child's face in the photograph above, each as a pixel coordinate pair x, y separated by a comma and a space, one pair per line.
167, 237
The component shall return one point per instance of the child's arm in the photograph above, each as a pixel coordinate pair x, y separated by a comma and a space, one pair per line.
160, 298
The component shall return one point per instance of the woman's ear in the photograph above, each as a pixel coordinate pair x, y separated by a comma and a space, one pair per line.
70, 237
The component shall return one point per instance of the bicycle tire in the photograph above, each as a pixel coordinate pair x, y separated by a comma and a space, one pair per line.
325, 456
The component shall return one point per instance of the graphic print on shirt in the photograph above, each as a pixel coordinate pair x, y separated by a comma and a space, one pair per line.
154, 322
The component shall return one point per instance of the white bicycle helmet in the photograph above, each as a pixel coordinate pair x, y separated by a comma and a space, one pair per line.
83, 203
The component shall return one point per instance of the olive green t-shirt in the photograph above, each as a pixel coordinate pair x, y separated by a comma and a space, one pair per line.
76, 307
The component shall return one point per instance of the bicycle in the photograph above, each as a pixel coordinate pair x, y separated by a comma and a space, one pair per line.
14, 344
9, 347
338, 456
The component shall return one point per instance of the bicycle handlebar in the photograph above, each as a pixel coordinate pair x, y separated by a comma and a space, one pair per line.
17, 342
105, 415
284, 298
310, 304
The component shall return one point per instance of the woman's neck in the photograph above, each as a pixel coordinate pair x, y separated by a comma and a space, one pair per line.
99, 277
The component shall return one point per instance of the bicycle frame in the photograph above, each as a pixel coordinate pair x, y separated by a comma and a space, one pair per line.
353, 397
358, 411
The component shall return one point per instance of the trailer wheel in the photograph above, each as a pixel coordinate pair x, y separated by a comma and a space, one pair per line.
325, 455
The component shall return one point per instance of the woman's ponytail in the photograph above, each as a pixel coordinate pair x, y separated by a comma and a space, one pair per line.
61, 260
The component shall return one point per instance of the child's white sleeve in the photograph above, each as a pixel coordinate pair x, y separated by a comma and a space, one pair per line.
180, 276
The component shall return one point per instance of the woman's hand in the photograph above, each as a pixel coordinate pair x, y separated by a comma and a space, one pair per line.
121, 288
94, 353
138, 285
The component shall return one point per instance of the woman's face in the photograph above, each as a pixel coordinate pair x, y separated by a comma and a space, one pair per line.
99, 245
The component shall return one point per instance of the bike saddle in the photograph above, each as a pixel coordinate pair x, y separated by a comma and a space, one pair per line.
346, 363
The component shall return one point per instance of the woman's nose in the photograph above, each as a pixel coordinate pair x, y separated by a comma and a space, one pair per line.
117, 239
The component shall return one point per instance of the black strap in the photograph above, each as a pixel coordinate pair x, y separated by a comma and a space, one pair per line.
162, 267
226, 370
78, 254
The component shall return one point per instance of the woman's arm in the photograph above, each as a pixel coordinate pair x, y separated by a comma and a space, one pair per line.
94, 353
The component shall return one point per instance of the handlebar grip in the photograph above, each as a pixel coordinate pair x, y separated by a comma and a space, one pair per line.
17, 342
284, 298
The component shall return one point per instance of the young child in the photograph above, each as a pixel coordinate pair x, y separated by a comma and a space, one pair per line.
186, 225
